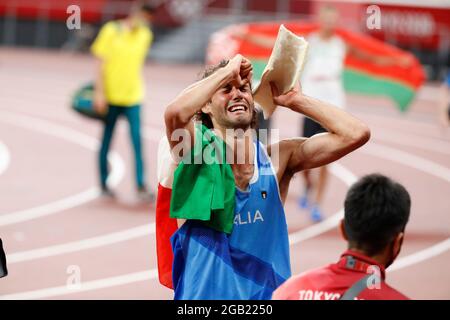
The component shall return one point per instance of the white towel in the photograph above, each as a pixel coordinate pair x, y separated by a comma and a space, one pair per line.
284, 68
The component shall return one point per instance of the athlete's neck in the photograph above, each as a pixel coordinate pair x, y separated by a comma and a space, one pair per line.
381, 258
326, 34
242, 165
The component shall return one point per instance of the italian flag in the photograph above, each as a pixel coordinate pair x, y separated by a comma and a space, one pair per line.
165, 226
397, 83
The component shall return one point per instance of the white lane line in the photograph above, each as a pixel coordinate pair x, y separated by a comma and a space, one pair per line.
348, 178
380, 151
338, 170
149, 229
407, 159
84, 286
90, 243
425, 166
83, 140
5, 158
420, 256
84, 244
146, 230
152, 274
411, 140
49, 208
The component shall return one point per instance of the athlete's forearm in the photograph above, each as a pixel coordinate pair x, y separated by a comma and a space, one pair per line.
193, 98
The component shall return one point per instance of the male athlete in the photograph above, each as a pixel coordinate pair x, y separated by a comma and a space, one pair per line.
252, 261
376, 213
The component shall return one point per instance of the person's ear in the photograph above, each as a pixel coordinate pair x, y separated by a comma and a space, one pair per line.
342, 228
397, 244
207, 108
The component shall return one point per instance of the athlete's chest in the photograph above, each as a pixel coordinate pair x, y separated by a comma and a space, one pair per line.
243, 175
255, 205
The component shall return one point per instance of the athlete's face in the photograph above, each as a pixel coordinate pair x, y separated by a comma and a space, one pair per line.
232, 106
328, 18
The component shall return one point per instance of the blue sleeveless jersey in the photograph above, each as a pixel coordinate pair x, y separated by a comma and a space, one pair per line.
248, 264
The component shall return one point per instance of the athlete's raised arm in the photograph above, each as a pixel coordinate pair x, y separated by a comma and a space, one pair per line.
345, 134
191, 100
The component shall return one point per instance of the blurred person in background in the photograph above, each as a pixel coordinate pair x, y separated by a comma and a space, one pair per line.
322, 79
121, 48
376, 211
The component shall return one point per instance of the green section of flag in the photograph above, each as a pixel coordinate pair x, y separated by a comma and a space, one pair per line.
258, 68
203, 184
360, 82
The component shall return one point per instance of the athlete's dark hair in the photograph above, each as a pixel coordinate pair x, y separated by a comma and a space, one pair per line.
204, 118
376, 211
148, 8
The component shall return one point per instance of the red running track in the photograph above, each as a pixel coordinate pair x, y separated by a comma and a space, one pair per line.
55, 228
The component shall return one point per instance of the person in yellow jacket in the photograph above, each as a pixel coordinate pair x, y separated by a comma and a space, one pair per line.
121, 48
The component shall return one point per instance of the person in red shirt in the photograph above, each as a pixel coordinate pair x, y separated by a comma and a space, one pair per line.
376, 213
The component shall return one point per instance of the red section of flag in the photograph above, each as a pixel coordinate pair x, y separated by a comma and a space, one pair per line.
165, 228
412, 76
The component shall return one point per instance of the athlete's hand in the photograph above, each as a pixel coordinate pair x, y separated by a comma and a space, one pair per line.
240, 70
100, 104
288, 99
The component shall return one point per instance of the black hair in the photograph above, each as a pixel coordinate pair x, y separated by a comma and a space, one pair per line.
376, 211
148, 8
204, 118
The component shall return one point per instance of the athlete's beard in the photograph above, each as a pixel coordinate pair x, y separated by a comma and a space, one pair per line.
226, 122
